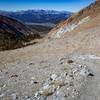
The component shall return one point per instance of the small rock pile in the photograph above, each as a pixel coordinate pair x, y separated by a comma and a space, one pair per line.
66, 85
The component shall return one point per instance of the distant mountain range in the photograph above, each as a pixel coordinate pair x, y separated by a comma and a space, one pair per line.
38, 16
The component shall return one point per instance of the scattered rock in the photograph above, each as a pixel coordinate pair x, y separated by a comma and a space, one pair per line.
53, 77
90, 74
58, 87
14, 76
84, 72
70, 61
61, 63
31, 64
33, 81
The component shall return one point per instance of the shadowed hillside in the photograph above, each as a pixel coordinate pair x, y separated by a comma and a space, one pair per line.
14, 34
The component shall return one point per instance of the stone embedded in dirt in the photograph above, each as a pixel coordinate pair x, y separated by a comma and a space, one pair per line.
14, 76
31, 64
61, 63
90, 74
70, 61
34, 82
86, 72
53, 77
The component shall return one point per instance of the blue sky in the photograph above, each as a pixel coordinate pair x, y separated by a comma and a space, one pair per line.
66, 5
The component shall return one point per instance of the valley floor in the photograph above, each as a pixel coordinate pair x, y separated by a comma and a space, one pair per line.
60, 69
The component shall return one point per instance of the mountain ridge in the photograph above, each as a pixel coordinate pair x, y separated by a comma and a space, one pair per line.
38, 16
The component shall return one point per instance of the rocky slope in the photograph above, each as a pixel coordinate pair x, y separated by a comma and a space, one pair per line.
65, 69
13, 33
78, 19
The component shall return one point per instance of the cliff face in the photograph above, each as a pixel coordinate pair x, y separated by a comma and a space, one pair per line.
83, 16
